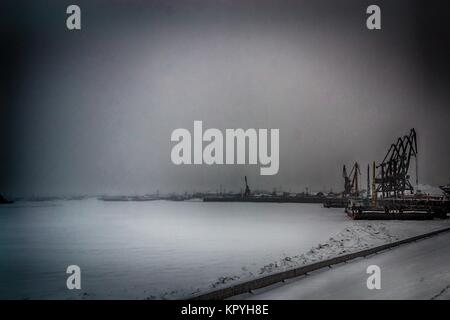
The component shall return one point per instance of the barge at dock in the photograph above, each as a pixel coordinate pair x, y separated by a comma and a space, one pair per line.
399, 209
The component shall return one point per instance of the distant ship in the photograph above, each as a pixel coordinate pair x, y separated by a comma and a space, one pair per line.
129, 198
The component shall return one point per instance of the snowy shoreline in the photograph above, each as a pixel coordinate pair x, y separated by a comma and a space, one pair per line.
363, 235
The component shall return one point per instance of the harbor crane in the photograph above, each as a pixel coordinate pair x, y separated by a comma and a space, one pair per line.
247, 189
392, 179
351, 181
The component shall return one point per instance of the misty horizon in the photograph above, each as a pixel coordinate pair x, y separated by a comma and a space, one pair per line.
91, 112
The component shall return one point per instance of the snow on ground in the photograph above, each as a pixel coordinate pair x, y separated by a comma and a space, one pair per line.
417, 270
359, 236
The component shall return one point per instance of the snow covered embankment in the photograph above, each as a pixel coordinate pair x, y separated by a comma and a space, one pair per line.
359, 236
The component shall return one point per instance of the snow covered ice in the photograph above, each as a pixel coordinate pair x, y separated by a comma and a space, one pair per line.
171, 250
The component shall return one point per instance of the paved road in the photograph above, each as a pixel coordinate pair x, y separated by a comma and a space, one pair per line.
418, 270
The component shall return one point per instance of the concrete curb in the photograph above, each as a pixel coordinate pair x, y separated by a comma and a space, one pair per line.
265, 281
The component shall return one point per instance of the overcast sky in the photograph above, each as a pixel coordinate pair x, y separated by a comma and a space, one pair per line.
92, 111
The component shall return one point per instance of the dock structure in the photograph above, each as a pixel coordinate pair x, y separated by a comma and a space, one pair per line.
335, 202
425, 208
266, 198
390, 194
248, 196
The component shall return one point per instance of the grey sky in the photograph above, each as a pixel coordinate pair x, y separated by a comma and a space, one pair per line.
92, 111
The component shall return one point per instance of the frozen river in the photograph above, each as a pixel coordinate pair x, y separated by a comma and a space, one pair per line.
155, 249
